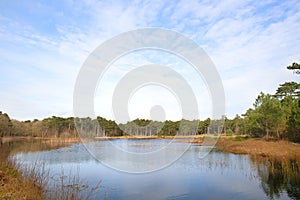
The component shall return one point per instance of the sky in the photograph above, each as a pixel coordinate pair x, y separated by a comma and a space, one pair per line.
45, 43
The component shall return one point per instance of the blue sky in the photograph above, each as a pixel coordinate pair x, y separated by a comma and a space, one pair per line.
44, 44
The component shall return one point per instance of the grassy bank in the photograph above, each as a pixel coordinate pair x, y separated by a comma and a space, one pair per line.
260, 147
14, 186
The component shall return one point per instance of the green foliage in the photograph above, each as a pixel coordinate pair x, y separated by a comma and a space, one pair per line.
107, 128
170, 128
267, 118
295, 67
241, 138
5, 125
276, 115
229, 132
293, 123
288, 89
204, 126
11, 171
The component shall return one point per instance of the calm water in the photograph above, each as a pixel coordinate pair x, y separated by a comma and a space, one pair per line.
217, 176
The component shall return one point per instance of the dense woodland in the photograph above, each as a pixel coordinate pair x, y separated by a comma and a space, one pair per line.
272, 116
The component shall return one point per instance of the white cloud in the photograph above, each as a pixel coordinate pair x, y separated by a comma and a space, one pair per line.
250, 43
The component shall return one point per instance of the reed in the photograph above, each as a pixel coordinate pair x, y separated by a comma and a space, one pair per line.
65, 186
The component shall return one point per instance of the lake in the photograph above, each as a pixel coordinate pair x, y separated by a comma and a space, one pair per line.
216, 176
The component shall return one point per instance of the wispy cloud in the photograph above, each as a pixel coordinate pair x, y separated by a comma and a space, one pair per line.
43, 46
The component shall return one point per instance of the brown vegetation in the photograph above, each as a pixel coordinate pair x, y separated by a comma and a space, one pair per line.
14, 186
261, 147
20, 181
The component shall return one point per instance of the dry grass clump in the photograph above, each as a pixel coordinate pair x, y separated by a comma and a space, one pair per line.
59, 186
70, 187
34, 182
14, 186
261, 147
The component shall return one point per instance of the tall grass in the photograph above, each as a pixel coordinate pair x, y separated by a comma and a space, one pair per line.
58, 186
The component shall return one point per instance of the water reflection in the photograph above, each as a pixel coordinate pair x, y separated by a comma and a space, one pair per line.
279, 176
12, 146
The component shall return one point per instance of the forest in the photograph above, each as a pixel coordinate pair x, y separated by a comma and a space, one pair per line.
275, 116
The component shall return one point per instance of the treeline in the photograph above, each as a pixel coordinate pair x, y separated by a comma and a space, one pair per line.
49, 127
87, 127
273, 115
276, 116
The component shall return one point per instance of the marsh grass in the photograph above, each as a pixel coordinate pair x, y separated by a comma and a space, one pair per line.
259, 147
58, 186
14, 186
70, 186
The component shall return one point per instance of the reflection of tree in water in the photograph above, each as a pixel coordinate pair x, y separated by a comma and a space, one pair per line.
26, 145
279, 176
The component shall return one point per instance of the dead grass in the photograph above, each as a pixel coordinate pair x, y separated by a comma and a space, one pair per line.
260, 147
14, 186
59, 140
33, 182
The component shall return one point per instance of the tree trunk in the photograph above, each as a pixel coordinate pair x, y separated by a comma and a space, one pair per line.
267, 130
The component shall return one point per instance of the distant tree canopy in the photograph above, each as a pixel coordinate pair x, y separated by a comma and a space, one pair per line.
5, 124
276, 116
87, 127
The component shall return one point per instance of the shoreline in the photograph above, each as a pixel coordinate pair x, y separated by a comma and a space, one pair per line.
280, 149
28, 138
13, 185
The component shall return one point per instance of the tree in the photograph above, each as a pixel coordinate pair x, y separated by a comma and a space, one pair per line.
293, 122
5, 125
170, 128
18, 128
267, 117
291, 103
288, 89
236, 125
253, 125
204, 126
295, 67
